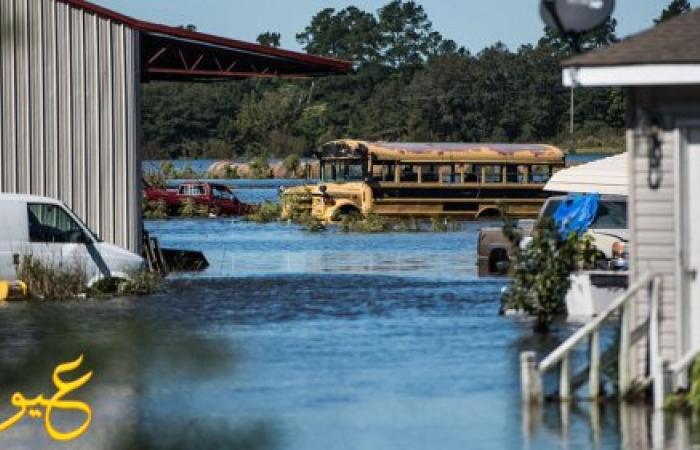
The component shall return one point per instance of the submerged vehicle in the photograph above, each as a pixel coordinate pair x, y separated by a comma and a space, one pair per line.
219, 198
46, 229
606, 176
462, 180
609, 231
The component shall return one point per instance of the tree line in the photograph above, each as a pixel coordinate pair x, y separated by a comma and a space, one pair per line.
409, 83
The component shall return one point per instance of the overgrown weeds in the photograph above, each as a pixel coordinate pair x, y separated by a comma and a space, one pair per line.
52, 281
372, 223
139, 283
267, 212
687, 401
157, 209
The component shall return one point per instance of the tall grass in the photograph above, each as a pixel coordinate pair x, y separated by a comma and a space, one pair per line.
47, 281
267, 212
50, 281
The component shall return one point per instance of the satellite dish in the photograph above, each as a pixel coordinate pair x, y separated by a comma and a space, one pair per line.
571, 17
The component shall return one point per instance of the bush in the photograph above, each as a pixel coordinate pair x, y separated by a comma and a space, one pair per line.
291, 165
260, 168
314, 225
155, 209
541, 271
297, 205
140, 283
407, 224
155, 179
266, 212
47, 281
188, 208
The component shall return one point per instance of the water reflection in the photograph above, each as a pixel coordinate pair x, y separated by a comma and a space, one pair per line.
633, 426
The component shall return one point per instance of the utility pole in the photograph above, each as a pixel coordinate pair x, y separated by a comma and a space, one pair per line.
572, 139
571, 114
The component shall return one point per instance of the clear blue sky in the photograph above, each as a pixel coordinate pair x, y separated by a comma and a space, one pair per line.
473, 24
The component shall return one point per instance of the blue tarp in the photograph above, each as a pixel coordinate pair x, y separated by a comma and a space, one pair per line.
576, 213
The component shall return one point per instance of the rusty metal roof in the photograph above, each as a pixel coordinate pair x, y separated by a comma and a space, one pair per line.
414, 151
172, 53
674, 41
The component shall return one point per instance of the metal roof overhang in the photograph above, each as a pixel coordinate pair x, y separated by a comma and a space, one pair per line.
605, 176
177, 54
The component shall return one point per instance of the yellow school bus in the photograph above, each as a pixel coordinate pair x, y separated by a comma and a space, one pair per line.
461, 180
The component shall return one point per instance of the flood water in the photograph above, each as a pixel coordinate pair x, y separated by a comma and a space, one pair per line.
320, 341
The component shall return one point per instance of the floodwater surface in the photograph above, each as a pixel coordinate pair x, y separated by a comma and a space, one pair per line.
299, 340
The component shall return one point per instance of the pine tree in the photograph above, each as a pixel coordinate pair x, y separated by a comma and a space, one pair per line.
675, 8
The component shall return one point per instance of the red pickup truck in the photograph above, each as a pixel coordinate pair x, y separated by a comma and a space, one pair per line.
218, 197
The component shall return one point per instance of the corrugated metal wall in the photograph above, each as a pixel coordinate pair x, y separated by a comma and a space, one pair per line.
70, 113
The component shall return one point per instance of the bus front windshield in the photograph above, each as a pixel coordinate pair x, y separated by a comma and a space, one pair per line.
342, 170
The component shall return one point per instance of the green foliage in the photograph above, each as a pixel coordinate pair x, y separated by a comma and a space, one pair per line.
138, 283
675, 8
541, 271
155, 179
259, 168
410, 84
155, 209
690, 400
189, 208
350, 34
47, 281
266, 212
269, 39
291, 165
314, 225
372, 223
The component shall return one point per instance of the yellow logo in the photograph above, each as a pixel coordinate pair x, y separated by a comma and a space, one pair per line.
63, 388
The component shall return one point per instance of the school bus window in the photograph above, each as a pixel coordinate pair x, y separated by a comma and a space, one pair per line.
388, 173
430, 174
352, 170
516, 174
493, 174
472, 173
448, 175
540, 174
409, 174
345, 170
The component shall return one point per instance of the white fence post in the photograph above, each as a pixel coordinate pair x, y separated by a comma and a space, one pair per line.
565, 379
655, 359
594, 374
530, 379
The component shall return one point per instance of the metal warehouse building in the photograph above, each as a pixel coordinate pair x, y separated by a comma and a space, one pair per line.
70, 100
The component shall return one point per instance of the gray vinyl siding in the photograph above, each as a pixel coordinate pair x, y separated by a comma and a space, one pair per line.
652, 240
69, 100
654, 215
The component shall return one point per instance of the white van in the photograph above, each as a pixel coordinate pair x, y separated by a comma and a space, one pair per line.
48, 230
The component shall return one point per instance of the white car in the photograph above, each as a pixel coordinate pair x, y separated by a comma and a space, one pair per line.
48, 230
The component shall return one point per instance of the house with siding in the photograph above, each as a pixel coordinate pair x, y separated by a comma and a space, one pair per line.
659, 70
